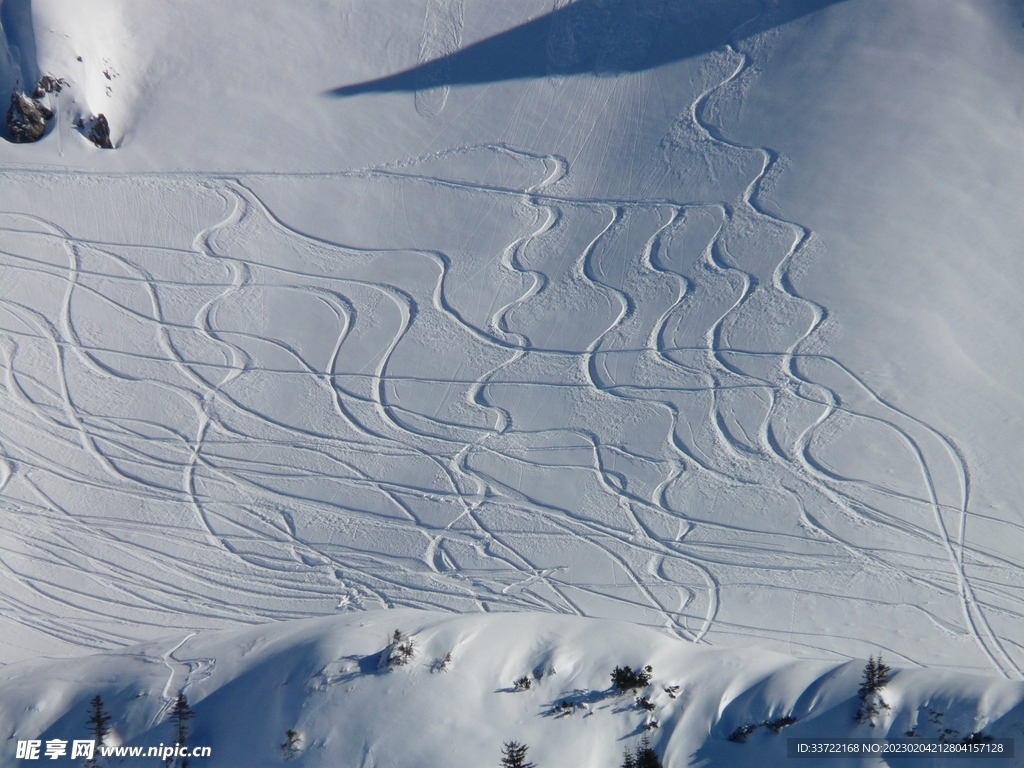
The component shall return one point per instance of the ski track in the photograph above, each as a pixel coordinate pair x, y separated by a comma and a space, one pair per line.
441, 36
150, 466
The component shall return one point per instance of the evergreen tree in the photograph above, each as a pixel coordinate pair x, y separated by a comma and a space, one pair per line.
99, 727
867, 685
292, 744
181, 713
626, 679
643, 756
876, 675
99, 720
514, 755
883, 672
646, 757
399, 652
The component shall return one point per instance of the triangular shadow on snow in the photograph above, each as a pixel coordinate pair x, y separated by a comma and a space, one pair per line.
602, 37
19, 69
18, 65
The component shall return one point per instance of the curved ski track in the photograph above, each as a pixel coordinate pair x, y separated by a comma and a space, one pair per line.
665, 452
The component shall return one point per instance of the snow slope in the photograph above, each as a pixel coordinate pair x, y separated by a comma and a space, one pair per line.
637, 341
323, 679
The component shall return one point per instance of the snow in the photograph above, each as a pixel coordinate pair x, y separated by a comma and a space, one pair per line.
697, 317
322, 678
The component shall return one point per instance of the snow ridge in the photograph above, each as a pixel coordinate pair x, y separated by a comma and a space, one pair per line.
324, 679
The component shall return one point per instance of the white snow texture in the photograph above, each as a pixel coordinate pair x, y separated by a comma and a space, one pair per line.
716, 340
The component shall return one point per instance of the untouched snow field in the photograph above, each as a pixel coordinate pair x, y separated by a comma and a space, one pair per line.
701, 316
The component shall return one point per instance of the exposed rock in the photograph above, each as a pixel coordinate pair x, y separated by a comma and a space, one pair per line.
26, 119
27, 115
48, 84
99, 132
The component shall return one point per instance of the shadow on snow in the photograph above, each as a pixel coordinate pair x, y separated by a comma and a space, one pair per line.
602, 37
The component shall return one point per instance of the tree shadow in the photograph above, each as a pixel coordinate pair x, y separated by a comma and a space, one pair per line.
345, 669
580, 699
602, 37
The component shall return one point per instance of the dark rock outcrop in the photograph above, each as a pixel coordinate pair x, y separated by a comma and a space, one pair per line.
27, 115
26, 119
99, 132
48, 84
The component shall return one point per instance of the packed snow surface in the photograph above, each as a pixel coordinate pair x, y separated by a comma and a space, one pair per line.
717, 334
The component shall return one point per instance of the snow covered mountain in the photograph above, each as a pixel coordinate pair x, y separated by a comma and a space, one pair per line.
456, 701
701, 316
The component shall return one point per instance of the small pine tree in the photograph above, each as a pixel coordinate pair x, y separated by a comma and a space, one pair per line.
442, 664
400, 651
292, 744
876, 675
741, 733
521, 684
776, 725
626, 679
406, 651
99, 720
99, 726
181, 713
514, 755
643, 756
883, 672
646, 757
644, 676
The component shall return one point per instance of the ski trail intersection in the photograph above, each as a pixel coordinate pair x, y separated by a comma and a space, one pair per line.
474, 391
